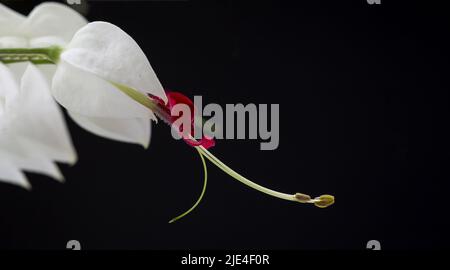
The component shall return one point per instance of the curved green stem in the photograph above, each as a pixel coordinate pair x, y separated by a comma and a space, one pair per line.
205, 182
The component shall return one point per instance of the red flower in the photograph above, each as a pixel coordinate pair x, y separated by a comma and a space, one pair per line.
175, 98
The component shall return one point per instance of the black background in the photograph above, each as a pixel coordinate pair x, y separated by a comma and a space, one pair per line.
363, 97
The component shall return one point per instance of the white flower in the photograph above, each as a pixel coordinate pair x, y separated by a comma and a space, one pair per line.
84, 86
100, 57
9, 20
48, 24
102, 78
33, 133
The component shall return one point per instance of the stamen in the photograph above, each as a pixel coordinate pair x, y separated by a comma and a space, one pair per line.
324, 201
302, 198
321, 202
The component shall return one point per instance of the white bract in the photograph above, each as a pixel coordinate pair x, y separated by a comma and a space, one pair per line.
9, 21
33, 134
94, 61
48, 24
99, 58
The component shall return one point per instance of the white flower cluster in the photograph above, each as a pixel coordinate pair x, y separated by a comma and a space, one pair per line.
96, 59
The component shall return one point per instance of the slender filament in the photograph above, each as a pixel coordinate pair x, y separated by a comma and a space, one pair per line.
242, 179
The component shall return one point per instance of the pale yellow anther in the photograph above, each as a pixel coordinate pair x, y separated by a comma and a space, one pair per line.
302, 198
324, 201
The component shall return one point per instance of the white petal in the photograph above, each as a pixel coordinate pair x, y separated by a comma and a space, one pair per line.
10, 173
47, 41
87, 94
53, 19
41, 119
17, 69
9, 20
9, 87
48, 71
125, 130
22, 127
13, 42
24, 154
106, 50
36, 163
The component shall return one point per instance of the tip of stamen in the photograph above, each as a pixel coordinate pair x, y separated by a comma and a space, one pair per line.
302, 198
324, 201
